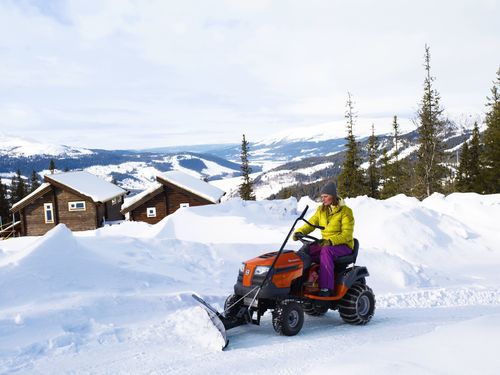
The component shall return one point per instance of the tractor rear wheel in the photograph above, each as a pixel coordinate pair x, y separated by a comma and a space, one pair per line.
358, 305
288, 318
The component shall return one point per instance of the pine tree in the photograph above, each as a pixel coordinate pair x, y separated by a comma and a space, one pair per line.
491, 139
246, 187
397, 168
351, 180
4, 204
52, 166
18, 188
476, 183
387, 176
372, 172
34, 181
463, 182
430, 154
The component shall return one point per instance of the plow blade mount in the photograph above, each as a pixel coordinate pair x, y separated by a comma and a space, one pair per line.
216, 318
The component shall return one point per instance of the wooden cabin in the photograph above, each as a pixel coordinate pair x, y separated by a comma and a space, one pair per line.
171, 191
80, 200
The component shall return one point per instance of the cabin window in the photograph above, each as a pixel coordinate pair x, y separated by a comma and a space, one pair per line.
49, 212
184, 205
116, 200
76, 206
151, 211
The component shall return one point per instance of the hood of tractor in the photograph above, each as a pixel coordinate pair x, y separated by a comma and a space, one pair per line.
288, 267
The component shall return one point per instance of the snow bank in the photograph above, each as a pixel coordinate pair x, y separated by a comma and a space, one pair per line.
235, 221
58, 264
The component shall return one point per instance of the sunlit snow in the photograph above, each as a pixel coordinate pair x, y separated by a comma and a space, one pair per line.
118, 299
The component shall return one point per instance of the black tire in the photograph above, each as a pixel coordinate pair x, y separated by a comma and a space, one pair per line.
288, 318
315, 309
231, 302
358, 305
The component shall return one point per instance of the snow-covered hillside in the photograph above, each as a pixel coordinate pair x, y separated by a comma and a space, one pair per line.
138, 175
22, 147
117, 300
337, 130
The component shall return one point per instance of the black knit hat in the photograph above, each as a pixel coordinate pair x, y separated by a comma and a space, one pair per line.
330, 189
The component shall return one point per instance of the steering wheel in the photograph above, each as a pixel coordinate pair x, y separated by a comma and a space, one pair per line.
307, 239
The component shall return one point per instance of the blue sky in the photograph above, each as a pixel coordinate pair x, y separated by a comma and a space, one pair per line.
135, 74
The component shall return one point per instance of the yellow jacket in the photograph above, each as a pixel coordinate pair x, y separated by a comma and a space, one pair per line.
338, 222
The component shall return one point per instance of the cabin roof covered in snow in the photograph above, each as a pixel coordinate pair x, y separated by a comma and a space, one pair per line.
81, 182
87, 184
132, 202
26, 199
192, 184
179, 179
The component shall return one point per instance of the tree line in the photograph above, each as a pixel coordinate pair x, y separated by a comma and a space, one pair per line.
389, 173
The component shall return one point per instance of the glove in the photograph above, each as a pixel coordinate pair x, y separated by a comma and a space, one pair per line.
296, 236
324, 243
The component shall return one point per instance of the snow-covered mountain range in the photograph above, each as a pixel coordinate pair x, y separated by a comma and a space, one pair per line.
131, 169
300, 155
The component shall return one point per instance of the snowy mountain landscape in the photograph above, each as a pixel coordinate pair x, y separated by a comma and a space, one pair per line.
133, 170
301, 155
118, 299
155, 155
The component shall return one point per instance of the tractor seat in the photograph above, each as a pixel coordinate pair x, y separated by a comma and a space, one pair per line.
348, 259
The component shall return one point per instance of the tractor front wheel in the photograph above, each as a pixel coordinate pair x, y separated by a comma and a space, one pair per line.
288, 318
232, 305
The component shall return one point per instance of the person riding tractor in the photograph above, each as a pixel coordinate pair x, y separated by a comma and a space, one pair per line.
337, 236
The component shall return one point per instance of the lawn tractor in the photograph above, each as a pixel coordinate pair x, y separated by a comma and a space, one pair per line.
285, 282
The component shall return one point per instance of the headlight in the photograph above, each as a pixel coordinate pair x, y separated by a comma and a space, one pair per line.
261, 270
242, 267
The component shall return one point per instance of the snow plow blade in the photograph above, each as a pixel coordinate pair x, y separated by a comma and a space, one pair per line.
216, 318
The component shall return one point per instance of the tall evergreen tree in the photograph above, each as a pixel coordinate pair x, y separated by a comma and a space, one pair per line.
395, 171
52, 166
4, 204
475, 161
18, 188
491, 139
463, 180
387, 176
351, 180
34, 181
246, 187
397, 168
373, 172
430, 154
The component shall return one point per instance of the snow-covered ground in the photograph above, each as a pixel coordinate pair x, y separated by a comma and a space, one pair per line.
117, 300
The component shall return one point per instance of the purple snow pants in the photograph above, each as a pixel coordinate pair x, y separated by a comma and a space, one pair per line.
325, 256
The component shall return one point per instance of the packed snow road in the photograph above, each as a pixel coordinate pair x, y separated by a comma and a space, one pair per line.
412, 340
